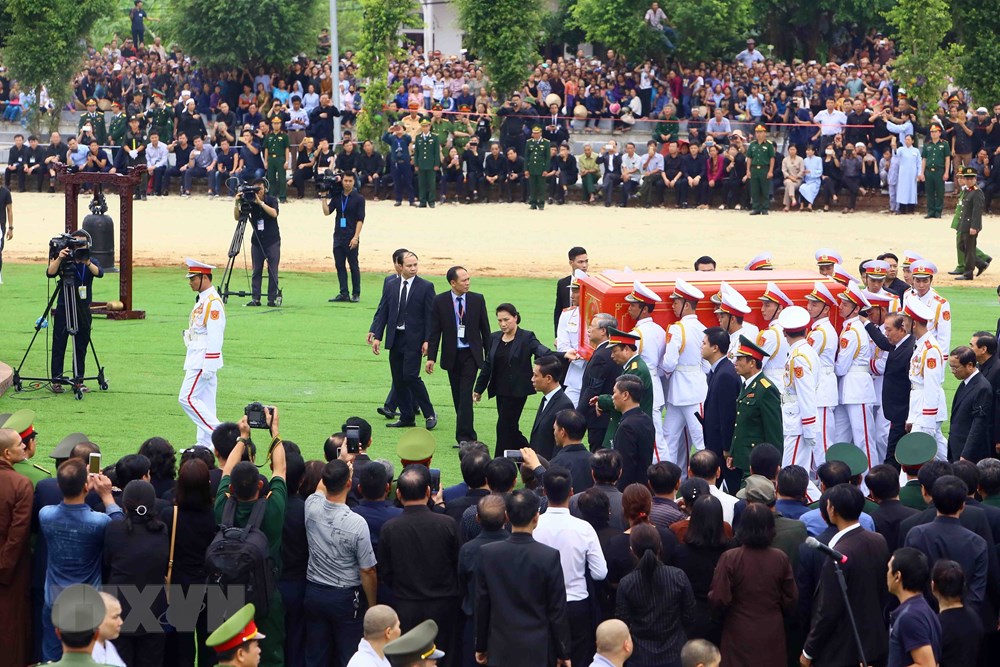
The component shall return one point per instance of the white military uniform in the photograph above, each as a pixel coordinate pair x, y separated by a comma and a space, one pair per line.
799, 412
928, 409
568, 338
772, 339
940, 322
857, 392
879, 357
751, 331
687, 389
652, 341
823, 339
203, 338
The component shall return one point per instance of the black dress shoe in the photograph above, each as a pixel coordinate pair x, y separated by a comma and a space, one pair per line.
253, 304
386, 412
956, 273
431, 422
355, 299
754, 212
399, 203
340, 297
964, 277
401, 424
982, 267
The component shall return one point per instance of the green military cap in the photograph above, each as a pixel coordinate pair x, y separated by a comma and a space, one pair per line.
748, 348
134, 118
619, 337
536, 128
935, 126
425, 122
414, 646
65, 447
760, 128
967, 172
21, 421
235, 631
758, 489
417, 444
79, 608
915, 449
157, 93
848, 453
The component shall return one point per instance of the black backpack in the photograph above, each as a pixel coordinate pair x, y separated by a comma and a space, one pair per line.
241, 557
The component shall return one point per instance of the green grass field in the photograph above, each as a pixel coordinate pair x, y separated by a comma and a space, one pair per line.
308, 357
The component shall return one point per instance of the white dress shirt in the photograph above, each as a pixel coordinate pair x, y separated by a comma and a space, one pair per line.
727, 501
367, 657
403, 283
105, 653
578, 546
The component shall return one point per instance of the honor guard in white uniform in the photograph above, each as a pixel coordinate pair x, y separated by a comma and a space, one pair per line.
730, 308
652, 342
799, 413
881, 302
762, 262
928, 409
687, 384
939, 324
825, 259
909, 257
853, 369
203, 338
841, 275
876, 271
568, 338
823, 338
772, 339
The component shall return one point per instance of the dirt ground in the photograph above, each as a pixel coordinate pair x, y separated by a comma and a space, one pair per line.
506, 239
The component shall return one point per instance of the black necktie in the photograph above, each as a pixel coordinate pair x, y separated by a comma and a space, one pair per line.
541, 409
461, 310
401, 311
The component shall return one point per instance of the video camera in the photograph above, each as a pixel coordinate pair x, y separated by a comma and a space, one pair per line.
330, 183
247, 193
79, 245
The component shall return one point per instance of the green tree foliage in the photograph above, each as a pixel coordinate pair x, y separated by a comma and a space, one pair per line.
236, 32
379, 44
117, 23
808, 29
710, 28
619, 25
924, 63
559, 29
977, 27
44, 44
504, 34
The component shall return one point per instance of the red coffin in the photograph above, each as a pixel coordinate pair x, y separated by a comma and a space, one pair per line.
605, 293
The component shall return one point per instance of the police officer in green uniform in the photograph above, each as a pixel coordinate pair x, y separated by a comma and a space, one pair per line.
22, 421
969, 215
161, 117
237, 641
427, 160
536, 161
441, 127
77, 615
118, 126
277, 147
760, 154
912, 451
462, 129
934, 165
855, 459
415, 648
95, 119
758, 409
624, 351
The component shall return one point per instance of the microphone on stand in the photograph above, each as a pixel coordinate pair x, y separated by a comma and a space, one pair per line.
813, 543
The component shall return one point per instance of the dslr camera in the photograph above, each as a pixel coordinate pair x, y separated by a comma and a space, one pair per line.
330, 183
256, 414
79, 245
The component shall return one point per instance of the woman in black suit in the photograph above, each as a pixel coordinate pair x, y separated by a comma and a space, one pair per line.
507, 375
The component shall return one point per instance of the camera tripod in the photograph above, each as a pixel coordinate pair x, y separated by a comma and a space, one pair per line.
67, 288
235, 248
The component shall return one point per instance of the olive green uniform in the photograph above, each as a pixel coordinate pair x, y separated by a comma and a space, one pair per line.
761, 159
161, 120
536, 161
462, 126
910, 496
969, 210
935, 154
119, 126
276, 147
758, 419
95, 120
32, 471
441, 129
427, 160
634, 366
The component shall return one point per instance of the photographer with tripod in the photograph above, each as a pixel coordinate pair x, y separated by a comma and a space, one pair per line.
71, 314
261, 211
349, 206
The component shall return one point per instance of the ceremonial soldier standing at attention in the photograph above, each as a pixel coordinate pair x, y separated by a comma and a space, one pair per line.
568, 338
624, 353
161, 118
928, 409
730, 309
427, 160
772, 339
826, 259
761, 155
277, 149
853, 366
970, 223
935, 164
876, 271
119, 125
95, 119
758, 409
536, 161
652, 343
874, 320
686, 383
923, 272
798, 402
203, 338
823, 339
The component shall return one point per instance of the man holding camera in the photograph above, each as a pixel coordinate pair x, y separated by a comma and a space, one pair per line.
349, 206
76, 267
203, 339
265, 244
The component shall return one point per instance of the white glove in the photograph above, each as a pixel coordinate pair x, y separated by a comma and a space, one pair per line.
133, 154
809, 443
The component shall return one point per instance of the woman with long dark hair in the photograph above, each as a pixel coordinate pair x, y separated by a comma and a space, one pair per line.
162, 464
703, 544
656, 602
637, 501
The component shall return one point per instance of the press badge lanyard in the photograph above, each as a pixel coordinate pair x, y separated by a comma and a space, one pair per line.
343, 211
81, 274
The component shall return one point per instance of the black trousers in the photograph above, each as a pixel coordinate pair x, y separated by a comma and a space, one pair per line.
511, 188
342, 256
968, 245
581, 631
141, 650
896, 431
509, 436
402, 181
462, 378
404, 364
19, 170
271, 253
299, 179
60, 337
447, 613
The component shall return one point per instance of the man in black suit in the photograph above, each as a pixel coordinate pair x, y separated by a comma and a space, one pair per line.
896, 379
883, 485
403, 316
388, 408
598, 378
605, 470
577, 260
724, 386
969, 473
636, 436
570, 454
612, 162
545, 380
461, 327
971, 434
984, 344
828, 642
521, 596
